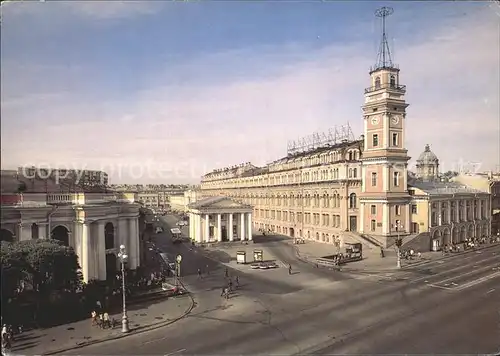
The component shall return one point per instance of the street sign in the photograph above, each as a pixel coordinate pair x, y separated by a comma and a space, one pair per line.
178, 258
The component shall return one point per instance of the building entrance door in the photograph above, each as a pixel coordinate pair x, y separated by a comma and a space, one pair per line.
292, 232
353, 223
224, 233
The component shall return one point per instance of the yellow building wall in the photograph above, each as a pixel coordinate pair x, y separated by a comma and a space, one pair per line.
423, 206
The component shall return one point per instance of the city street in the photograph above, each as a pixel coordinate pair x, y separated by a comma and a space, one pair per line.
443, 306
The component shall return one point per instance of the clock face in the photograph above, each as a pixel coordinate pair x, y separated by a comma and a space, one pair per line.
395, 120
375, 120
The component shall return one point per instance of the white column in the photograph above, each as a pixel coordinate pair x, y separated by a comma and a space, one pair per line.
133, 241
101, 251
230, 228
362, 217
207, 228
123, 235
138, 247
85, 259
198, 230
250, 229
363, 178
242, 226
385, 219
219, 227
192, 226
386, 178
405, 172
407, 227
440, 218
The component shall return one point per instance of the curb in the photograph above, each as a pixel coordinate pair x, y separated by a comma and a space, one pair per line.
136, 331
394, 269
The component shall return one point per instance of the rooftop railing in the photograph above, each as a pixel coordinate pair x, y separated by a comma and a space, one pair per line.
391, 86
42, 199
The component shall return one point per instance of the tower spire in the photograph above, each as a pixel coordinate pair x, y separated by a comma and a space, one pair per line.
384, 58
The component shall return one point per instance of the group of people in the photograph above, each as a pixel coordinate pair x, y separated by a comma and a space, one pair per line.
8, 336
101, 318
228, 288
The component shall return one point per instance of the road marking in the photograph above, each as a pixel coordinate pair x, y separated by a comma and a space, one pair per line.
462, 275
450, 270
490, 291
441, 287
175, 352
480, 280
283, 263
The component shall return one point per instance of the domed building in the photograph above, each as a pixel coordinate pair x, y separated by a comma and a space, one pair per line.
428, 165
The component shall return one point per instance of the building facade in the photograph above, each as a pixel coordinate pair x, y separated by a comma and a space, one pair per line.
219, 219
358, 190
489, 183
93, 224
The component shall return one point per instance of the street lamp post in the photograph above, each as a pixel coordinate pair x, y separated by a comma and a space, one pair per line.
123, 258
399, 242
178, 261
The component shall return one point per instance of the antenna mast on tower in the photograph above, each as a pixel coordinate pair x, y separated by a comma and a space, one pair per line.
384, 58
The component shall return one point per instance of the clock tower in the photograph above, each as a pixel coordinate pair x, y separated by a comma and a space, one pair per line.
384, 199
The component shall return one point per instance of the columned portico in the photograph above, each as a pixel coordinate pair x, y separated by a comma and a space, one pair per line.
220, 219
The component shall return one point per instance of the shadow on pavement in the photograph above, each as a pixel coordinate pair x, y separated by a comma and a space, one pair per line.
268, 238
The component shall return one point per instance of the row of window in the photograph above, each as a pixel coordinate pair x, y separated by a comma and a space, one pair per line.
289, 178
397, 209
308, 218
395, 140
396, 177
315, 201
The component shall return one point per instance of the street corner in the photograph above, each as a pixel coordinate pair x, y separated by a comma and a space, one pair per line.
141, 320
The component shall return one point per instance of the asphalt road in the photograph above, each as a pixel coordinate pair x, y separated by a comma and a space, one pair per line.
448, 306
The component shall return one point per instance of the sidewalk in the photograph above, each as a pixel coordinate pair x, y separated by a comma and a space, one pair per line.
372, 262
66, 337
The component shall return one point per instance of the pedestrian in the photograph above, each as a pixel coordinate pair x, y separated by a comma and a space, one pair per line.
237, 281
199, 273
226, 272
208, 271
290, 269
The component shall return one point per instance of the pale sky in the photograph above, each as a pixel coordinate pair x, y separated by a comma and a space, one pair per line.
162, 92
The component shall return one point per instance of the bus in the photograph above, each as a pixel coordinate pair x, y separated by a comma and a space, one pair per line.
176, 235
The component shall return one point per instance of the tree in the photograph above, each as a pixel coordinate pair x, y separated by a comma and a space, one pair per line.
51, 265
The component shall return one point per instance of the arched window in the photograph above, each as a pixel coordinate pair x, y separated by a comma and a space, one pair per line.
352, 201
377, 83
393, 81
354, 172
350, 172
350, 156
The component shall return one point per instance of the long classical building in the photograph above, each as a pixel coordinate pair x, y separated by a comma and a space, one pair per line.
94, 224
359, 190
